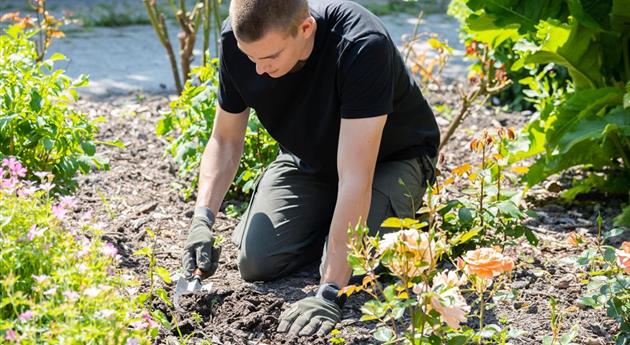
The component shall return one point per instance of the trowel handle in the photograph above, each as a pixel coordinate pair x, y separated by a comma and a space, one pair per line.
197, 273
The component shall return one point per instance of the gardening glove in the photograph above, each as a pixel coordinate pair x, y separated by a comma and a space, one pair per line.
199, 251
313, 315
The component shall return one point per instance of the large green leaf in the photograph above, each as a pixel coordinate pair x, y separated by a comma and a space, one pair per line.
591, 141
487, 31
620, 16
525, 13
572, 46
593, 14
579, 114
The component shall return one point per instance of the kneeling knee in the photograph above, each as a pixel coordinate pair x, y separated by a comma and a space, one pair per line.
254, 267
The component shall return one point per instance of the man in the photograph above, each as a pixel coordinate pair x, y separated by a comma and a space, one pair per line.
329, 85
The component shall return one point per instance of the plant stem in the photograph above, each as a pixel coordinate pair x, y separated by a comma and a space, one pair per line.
622, 151
415, 34
482, 306
206, 29
482, 183
217, 22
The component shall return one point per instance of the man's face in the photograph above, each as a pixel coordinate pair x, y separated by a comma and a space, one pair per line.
277, 53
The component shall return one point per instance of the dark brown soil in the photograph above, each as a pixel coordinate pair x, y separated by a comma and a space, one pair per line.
138, 193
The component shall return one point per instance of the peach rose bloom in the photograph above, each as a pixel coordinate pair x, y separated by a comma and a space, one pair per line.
448, 278
486, 263
452, 307
411, 247
623, 256
450, 303
447, 301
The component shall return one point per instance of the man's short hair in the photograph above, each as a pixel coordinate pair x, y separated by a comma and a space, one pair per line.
252, 19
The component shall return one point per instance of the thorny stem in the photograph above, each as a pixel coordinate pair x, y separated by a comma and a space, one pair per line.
499, 149
482, 305
217, 21
206, 29
422, 320
482, 183
415, 34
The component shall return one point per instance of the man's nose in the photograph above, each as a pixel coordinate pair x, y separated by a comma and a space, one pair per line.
261, 68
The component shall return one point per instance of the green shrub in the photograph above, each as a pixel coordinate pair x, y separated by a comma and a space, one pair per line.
188, 127
608, 280
587, 123
37, 123
58, 280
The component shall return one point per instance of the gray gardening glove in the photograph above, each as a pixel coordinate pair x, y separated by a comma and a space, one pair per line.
312, 315
199, 251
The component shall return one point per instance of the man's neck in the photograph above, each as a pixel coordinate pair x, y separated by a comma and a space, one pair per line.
308, 50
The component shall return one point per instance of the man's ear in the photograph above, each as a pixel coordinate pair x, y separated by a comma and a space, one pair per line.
307, 27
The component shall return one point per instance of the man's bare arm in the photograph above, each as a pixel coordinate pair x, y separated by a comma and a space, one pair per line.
221, 158
359, 142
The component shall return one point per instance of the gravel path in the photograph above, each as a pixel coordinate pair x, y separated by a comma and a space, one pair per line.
131, 59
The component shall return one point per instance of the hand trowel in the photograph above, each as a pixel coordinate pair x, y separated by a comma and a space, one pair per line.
187, 287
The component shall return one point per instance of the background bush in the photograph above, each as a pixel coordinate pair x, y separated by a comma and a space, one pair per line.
37, 123
585, 122
58, 282
188, 127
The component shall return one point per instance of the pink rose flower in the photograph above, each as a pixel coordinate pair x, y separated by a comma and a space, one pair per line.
623, 256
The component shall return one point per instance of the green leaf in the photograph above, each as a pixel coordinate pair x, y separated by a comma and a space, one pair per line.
465, 237
57, 56
581, 131
384, 334
531, 237
525, 14
161, 293
5, 121
457, 340
465, 215
390, 293
610, 255
146, 251
624, 218
613, 233
572, 46
509, 208
88, 148
161, 319
593, 14
586, 257
164, 274
115, 143
488, 32
36, 101
392, 222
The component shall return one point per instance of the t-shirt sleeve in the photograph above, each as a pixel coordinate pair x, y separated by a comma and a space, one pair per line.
229, 97
366, 83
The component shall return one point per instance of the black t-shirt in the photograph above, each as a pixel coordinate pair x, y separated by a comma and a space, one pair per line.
354, 71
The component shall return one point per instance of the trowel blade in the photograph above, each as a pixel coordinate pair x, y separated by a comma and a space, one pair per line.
186, 287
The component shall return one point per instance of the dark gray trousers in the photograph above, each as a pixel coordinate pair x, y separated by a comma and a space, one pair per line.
287, 222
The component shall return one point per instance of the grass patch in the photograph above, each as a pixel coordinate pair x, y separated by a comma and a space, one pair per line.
110, 15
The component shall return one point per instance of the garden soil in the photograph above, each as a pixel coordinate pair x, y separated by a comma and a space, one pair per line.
138, 192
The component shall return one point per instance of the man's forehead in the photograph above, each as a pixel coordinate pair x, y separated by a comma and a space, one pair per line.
269, 46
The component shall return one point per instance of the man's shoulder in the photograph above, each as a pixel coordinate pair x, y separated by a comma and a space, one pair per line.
353, 22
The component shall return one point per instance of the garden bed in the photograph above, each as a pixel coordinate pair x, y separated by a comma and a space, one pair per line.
138, 193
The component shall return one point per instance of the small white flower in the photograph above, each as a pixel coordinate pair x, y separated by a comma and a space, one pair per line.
92, 292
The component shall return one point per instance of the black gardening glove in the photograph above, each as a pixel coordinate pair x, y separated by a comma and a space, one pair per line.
313, 315
199, 251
